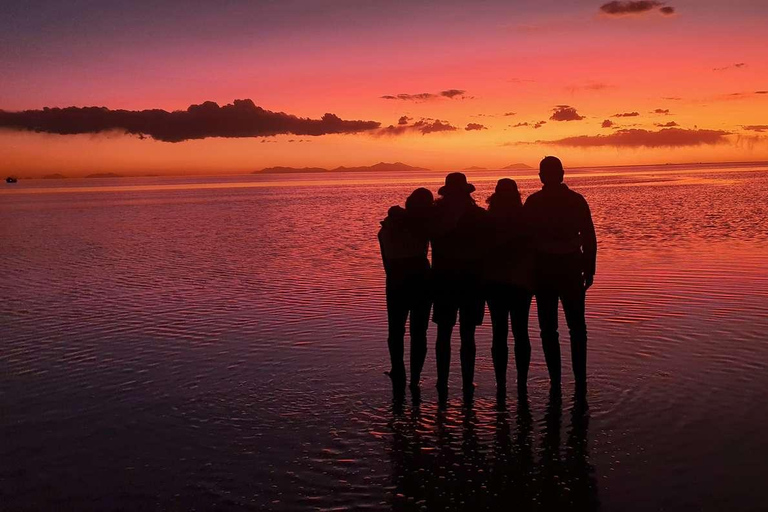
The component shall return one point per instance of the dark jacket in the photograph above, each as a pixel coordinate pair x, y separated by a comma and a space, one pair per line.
459, 238
509, 257
561, 224
404, 243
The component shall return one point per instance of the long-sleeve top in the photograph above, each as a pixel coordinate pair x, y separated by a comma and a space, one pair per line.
459, 239
509, 257
560, 223
404, 244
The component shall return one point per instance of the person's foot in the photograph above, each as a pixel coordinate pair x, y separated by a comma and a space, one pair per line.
469, 392
581, 388
398, 383
442, 395
501, 396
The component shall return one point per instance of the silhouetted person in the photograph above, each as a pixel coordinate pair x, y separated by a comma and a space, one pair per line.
404, 242
565, 252
457, 250
508, 282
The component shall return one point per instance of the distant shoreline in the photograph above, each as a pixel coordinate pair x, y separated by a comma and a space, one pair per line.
372, 168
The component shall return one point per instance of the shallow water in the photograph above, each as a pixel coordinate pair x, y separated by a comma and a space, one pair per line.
219, 342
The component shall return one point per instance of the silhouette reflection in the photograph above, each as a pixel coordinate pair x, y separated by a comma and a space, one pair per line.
459, 458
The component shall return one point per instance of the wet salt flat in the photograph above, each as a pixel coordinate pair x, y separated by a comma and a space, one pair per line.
219, 342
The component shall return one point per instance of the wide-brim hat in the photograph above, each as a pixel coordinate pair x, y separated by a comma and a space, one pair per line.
456, 183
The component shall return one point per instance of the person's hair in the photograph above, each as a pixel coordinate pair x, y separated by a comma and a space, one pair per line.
551, 170
505, 198
419, 200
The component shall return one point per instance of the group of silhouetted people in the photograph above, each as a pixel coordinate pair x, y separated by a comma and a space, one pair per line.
503, 256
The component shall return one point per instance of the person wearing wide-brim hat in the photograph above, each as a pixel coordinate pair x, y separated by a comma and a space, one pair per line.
456, 184
458, 238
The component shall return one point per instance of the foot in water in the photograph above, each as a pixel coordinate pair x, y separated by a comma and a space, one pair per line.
398, 383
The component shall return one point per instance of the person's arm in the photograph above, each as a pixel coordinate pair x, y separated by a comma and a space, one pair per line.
588, 245
384, 259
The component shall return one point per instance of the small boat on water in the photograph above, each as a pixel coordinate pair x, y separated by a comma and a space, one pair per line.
11, 179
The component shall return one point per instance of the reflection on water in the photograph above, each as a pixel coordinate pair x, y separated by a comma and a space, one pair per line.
194, 343
451, 459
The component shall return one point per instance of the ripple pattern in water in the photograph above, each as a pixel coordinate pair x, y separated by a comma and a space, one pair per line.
206, 343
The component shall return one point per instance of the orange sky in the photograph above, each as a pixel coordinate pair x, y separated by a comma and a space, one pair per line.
705, 63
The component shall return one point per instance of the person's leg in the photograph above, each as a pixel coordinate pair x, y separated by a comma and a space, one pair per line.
471, 315
468, 349
546, 304
443, 354
574, 309
444, 315
498, 305
397, 315
418, 331
520, 311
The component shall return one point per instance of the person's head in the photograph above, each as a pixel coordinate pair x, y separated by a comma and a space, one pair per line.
456, 186
420, 201
551, 171
506, 196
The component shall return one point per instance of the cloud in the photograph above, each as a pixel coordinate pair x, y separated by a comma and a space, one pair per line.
475, 126
607, 123
670, 124
242, 118
626, 114
667, 137
672, 98
539, 124
623, 8
452, 93
424, 126
756, 127
732, 66
404, 120
590, 86
427, 96
507, 114
662, 111
565, 113
518, 125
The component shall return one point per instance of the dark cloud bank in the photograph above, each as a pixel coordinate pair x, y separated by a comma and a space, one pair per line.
668, 137
426, 96
242, 118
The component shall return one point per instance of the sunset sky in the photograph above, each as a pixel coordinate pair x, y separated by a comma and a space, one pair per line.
439, 84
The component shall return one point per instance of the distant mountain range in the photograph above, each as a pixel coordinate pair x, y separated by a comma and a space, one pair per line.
380, 167
511, 167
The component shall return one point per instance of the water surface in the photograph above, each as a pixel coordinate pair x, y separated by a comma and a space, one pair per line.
219, 342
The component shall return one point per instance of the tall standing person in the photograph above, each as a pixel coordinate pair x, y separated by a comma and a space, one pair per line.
565, 248
458, 238
404, 243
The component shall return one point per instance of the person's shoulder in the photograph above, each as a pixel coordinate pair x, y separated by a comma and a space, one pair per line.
577, 196
533, 198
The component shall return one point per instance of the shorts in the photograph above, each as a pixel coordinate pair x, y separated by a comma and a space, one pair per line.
458, 298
